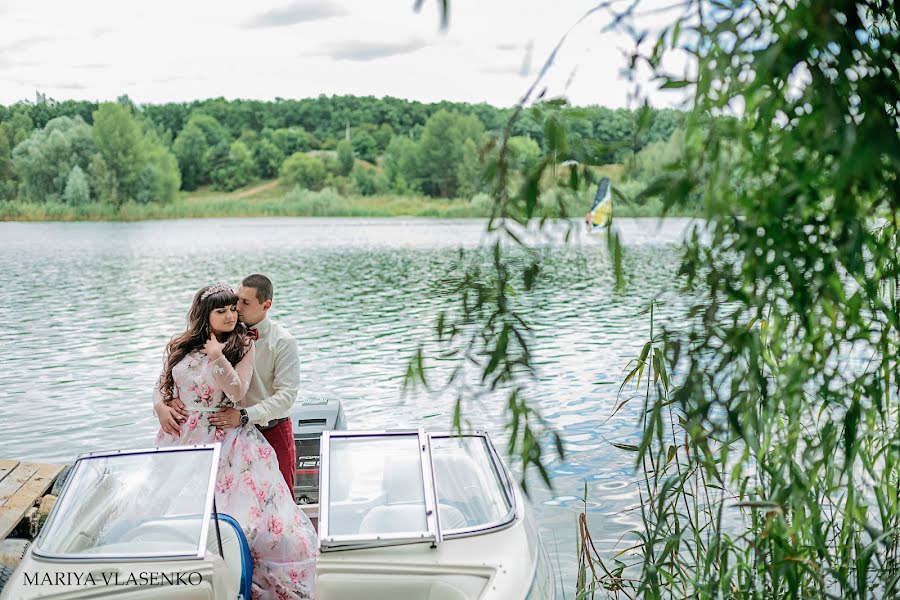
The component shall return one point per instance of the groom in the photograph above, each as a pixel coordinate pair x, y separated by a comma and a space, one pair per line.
273, 387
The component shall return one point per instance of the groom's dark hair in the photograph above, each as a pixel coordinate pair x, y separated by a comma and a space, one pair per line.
260, 283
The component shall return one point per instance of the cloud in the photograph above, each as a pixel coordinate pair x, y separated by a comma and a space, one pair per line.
66, 85
9, 49
43, 85
300, 11
365, 51
500, 70
171, 79
24, 44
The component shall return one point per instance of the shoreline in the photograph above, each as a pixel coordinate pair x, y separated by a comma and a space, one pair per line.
302, 203
48, 219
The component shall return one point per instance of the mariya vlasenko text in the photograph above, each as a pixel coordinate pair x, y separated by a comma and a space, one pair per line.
143, 578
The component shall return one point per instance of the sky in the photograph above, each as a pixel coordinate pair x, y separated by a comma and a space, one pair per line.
180, 50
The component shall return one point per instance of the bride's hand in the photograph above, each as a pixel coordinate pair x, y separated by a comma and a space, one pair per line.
213, 347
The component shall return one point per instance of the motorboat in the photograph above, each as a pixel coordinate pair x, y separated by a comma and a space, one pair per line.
401, 515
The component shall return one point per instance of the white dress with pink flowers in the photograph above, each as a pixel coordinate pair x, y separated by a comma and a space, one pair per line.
249, 486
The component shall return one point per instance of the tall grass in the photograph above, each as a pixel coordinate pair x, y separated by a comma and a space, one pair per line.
799, 501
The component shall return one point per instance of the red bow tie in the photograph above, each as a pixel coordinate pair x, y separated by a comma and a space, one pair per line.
253, 333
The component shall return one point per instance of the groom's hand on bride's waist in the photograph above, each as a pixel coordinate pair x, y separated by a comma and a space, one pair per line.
225, 418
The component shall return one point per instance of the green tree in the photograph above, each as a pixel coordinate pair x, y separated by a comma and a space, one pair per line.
102, 181
523, 151
119, 142
468, 171
369, 181
8, 189
364, 146
77, 190
248, 137
168, 117
201, 147
7, 171
441, 151
383, 135
345, 157
134, 163
291, 140
159, 178
401, 164
267, 158
329, 159
213, 131
656, 159
237, 170
191, 149
19, 128
44, 160
303, 170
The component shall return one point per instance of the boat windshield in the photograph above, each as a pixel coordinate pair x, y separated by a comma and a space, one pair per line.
375, 489
381, 488
137, 504
471, 491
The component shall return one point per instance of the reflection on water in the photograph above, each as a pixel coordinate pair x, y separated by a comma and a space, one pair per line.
90, 306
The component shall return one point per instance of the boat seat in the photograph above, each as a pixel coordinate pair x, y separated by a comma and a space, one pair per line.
403, 479
404, 494
408, 517
161, 535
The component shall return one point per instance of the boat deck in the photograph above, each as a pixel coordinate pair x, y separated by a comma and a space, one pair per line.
22, 484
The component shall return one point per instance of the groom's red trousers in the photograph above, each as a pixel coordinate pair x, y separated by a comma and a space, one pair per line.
281, 438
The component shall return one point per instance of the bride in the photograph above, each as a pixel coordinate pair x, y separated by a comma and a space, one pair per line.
208, 367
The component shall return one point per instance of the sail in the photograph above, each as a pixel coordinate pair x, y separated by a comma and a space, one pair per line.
601, 210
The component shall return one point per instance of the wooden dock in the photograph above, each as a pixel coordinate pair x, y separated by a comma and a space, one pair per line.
22, 485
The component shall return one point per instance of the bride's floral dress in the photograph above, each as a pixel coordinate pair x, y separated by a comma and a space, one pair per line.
249, 486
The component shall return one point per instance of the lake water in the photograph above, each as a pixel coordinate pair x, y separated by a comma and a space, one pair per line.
89, 307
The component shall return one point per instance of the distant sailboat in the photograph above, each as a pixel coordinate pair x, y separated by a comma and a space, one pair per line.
601, 211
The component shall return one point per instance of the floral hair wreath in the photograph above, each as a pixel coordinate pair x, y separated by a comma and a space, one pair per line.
215, 289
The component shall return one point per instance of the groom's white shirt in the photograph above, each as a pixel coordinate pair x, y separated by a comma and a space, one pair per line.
276, 374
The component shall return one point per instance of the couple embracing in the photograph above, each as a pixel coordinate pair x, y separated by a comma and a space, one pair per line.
231, 377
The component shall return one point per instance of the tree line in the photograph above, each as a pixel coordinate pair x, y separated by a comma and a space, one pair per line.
80, 151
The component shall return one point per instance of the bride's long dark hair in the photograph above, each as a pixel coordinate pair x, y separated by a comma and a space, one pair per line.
194, 337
